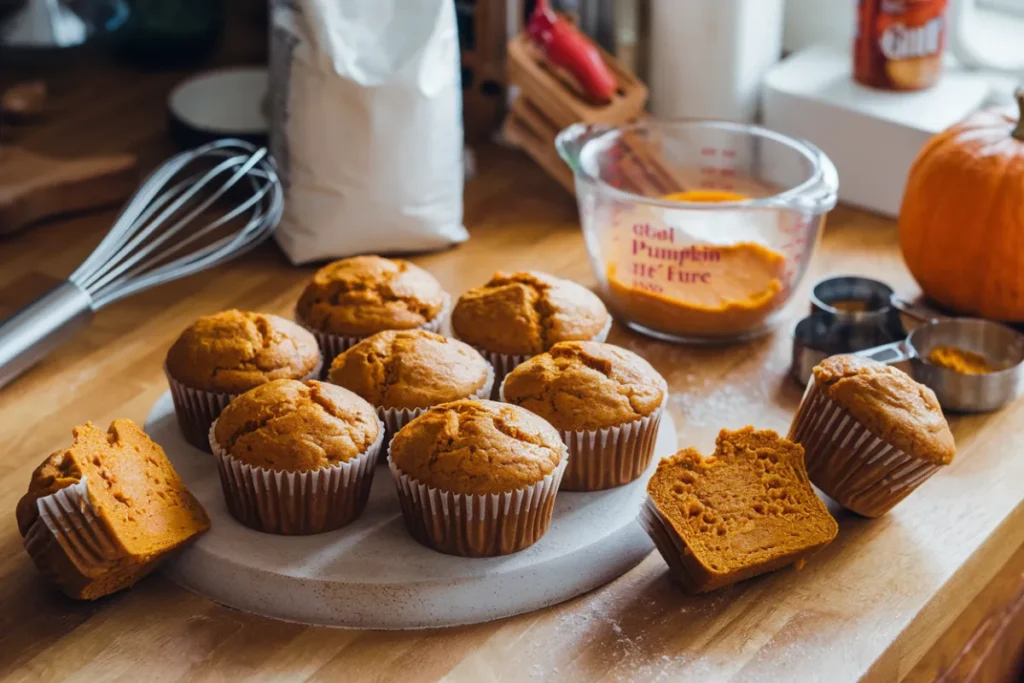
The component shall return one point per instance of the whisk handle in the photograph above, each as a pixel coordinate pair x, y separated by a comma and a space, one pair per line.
38, 328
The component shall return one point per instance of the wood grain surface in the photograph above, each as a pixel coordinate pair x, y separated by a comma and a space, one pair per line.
868, 607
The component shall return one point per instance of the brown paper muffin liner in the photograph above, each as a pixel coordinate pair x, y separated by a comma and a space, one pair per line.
668, 543
396, 418
504, 363
197, 409
297, 503
612, 456
477, 525
858, 470
333, 345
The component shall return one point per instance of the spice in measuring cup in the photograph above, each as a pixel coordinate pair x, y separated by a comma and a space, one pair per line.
961, 360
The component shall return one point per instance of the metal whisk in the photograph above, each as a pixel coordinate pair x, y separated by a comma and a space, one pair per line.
181, 221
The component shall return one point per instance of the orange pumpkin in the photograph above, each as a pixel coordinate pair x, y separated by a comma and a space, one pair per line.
961, 226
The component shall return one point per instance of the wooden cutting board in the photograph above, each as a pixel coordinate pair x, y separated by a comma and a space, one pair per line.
34, 187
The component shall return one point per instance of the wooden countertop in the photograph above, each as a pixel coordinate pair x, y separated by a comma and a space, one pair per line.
871, 605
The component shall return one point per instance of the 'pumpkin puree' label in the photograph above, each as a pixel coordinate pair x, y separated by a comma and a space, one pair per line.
669, 285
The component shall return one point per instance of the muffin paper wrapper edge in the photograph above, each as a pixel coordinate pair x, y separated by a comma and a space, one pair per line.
297, 503
197, 409
858, 470
68, 530
486, 525
611, 456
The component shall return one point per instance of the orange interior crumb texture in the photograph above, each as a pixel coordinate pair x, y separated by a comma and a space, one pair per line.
746, 510
137, 501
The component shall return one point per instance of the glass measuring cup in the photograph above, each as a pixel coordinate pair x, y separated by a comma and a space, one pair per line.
720, 265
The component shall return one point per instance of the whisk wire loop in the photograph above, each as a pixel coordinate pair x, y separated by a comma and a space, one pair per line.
160, 232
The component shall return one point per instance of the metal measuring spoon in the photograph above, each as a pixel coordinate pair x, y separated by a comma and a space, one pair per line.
958, 391
848, 314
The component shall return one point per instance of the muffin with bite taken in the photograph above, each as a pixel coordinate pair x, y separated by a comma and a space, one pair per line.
107, 510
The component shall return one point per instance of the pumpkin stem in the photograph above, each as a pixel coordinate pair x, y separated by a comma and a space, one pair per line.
1018, 132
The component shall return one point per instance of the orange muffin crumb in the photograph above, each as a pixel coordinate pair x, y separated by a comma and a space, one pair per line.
747, 510
134, 511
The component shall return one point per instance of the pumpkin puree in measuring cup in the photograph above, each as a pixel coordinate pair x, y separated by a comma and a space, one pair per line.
659, 280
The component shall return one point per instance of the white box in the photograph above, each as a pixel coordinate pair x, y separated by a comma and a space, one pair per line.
872, 136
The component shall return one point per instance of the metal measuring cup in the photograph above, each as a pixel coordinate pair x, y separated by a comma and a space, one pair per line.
958, 391
848, 314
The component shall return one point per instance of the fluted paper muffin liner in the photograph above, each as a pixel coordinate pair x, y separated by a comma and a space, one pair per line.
668, 543
477, 525
611, 456
67, 530
333, 345
504, 363
196, 409
859, 471
396, 418
297, 503
74, 549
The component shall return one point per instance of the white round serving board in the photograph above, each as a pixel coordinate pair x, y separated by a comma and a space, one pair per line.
373, 575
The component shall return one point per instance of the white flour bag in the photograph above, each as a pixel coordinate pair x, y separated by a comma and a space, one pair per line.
366, 124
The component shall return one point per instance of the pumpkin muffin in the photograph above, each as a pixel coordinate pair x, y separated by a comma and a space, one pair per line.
477, 478
351, 299
297, 458
514, 317
404, 372
104, 512
606, 401
747, 510
871, 433
225, 354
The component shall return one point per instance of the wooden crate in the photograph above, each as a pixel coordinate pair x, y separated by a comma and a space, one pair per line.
485, 82
530, 130
559, 96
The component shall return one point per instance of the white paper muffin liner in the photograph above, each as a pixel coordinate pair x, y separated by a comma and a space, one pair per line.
76, 550
855, 468
196, 409
297, 503
396, 418
477, 525
611, 456
333, 345
504, 363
